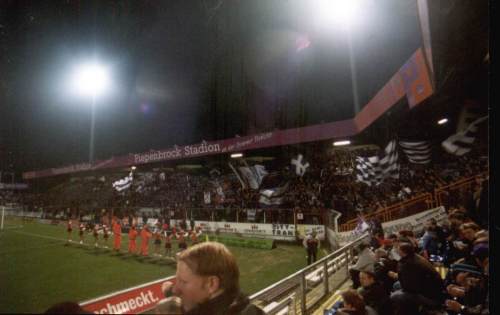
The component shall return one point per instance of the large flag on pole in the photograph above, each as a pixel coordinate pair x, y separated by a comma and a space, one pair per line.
273, 196
123, 183
461, 143
374, 170
253, 174
417, 152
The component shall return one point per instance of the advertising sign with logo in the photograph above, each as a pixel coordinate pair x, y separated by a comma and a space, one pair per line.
285, 232
130, 301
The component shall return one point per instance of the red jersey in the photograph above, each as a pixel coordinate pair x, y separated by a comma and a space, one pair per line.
132, 234
117, 229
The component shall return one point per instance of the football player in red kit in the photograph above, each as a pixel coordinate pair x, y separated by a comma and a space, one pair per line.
117, 233
132, 245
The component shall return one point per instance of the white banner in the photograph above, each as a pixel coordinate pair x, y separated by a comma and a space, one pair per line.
284, 232
415, 223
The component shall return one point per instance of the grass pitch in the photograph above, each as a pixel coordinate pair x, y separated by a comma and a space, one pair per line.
38, 268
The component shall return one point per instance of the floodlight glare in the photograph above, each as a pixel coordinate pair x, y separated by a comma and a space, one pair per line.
337, 11
443, 121
236, 155
91, 79
341, 143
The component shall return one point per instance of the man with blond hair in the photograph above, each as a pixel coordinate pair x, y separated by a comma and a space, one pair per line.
207, 282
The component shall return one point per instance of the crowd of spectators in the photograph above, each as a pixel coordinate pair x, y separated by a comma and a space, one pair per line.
328, 183
398, 273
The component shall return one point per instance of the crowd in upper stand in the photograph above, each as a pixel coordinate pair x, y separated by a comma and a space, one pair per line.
328, 183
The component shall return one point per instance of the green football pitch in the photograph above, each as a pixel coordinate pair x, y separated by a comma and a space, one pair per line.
38, 268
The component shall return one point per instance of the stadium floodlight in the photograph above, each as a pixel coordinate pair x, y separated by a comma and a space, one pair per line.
91, 79
236, 155
443, 121
341, 143
341, 12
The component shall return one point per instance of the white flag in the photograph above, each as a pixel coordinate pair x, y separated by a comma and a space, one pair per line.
300, 168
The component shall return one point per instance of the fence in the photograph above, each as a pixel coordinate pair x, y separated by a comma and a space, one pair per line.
396, 211
302, 291
442, 196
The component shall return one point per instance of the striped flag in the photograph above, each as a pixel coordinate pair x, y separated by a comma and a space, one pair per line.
374, 170
461, 143
417, 152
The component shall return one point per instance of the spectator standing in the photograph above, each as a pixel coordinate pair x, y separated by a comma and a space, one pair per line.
311, 244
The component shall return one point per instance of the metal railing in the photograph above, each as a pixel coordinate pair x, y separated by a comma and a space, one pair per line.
420, 203
397, 211
461, 186
301, 292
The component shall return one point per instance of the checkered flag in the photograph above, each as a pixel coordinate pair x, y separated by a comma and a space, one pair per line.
374, 170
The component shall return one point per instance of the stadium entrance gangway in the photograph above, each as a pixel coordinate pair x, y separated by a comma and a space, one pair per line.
302, 292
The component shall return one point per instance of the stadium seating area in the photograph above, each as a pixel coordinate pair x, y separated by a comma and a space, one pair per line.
329, 183
401, 275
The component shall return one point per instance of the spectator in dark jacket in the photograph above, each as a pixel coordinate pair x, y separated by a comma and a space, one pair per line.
374, 293
382, 267
421, 284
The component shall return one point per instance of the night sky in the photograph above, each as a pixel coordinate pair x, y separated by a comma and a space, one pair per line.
187, 71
